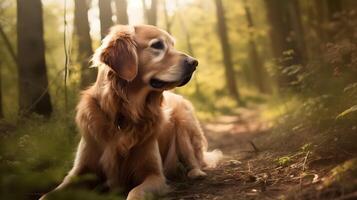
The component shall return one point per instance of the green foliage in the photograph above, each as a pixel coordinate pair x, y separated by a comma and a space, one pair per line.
37, 154
36, 157
314, 108
283, 161
318, 101
306, 147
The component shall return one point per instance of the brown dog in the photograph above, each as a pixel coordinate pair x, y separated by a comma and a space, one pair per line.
133, 132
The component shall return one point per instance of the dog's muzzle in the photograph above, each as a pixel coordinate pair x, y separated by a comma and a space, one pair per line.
190, 65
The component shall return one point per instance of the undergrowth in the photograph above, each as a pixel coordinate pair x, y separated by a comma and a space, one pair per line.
36, 155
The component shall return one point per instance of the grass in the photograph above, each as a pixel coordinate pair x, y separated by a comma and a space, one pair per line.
35, 155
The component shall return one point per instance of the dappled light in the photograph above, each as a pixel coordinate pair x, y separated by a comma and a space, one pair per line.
274, 93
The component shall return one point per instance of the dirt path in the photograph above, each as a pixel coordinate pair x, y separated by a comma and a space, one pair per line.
245, 173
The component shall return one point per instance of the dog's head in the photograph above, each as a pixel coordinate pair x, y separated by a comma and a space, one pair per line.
145, 54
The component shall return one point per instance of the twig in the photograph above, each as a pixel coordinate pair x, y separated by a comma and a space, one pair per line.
256, 150
303, 167
66, 55
305, 160
42, 94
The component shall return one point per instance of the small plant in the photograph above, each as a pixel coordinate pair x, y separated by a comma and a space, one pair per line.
283, 161
306, 147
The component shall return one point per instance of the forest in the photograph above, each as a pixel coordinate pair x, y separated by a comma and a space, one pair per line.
275, 91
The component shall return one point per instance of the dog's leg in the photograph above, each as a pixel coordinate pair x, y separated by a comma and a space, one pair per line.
109, 164
149, 173
86, 159
151, 184
187, 154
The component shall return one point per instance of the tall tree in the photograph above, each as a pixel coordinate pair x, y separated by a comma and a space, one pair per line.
105, 16
121, 11
13, 55
256, 62
168, 19
281, 27
85, 50
1, 110
187, 34
33, 82
150, 12
333, 7
8, 44
283, 33
227, 57
298, 29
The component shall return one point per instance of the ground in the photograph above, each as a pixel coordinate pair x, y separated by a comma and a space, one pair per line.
251, 170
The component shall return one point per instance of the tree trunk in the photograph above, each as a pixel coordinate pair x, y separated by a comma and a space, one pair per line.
1, 110
167, 18
33, 83
8, 44
150, 13
227, 57
282, 37
256, 62
279, 32
105, 16
121, 11
333, 8
189, 45
299, 34
85, 50
315, 35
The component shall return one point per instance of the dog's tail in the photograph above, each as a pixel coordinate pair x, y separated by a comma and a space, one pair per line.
212, 158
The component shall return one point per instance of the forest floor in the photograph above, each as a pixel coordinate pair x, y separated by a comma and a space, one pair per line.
256, 171
255, 165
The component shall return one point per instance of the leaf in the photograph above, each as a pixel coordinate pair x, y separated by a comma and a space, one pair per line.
348, 111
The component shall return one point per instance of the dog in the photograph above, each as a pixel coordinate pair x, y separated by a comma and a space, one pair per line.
134, 132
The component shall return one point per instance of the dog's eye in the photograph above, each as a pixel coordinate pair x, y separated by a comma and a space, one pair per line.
157, 45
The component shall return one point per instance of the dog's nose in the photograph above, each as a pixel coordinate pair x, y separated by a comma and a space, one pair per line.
191, 63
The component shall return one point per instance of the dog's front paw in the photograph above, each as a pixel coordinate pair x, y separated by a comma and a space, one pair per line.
196, 174
136, 194
43, 197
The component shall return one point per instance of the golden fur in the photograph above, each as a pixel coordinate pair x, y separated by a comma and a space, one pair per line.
132, 134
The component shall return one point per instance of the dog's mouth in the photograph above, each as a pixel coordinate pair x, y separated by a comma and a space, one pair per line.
185, 80
161, 84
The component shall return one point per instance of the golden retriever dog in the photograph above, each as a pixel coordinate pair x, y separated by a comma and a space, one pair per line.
133, 132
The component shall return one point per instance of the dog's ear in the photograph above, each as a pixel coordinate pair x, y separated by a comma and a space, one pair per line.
118, 51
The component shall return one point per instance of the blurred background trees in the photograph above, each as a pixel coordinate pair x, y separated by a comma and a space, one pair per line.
121, 11
85, 51
150, 11
295, 58
33, 82
247, 49
105, 16
226, 51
